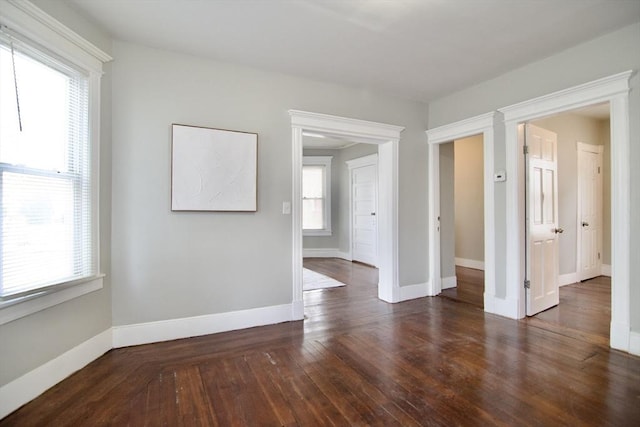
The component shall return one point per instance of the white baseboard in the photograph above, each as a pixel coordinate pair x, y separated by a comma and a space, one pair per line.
605, 270
413, 291
165, 330
32, 384
634, 343
470, 263
567, 279
501, 306
449, 282
325, 253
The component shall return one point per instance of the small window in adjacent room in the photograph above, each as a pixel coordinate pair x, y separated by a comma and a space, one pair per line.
47, 220
316, 196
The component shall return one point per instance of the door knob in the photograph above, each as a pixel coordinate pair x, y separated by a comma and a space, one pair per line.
558, 230
373, 214
585, 224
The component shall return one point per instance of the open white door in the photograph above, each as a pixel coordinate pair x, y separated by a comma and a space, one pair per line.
542, 218
589, 211
364, 207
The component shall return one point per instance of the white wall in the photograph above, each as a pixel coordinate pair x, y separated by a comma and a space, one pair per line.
179, 264
604, 56
31, 341
570, 129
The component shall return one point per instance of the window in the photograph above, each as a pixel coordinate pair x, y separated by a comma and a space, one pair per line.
48, 223
316, 195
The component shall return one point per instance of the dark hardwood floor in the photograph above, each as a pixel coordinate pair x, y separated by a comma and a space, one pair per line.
355, 361
584, 311
470, 287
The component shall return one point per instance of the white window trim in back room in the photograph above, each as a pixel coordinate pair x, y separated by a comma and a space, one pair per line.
326, 162
47, 33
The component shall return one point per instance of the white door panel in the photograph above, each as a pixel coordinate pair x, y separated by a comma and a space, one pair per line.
364, 210
589, 211
542, 219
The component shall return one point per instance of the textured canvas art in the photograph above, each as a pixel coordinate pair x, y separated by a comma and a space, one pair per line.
213, 169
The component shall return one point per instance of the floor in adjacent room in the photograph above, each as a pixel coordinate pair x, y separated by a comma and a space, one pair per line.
356, 360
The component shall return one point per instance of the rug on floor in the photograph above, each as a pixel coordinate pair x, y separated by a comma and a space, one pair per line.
312, 280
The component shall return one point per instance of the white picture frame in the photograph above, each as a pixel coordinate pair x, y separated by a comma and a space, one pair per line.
213, 169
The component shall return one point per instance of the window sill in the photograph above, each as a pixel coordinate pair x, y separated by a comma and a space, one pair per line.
21, 307
308, 233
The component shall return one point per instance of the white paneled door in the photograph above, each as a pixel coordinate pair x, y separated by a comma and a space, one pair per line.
542, 219
589, 210
364, 207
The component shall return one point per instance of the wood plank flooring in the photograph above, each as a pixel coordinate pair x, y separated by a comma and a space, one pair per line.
355, 361
584, 311
470, 287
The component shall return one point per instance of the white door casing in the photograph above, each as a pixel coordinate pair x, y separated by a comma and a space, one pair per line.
615, 90
364, 207
387, 137
589, 226
483, 124
541, 218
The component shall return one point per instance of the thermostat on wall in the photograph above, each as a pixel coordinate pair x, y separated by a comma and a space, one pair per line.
500, 176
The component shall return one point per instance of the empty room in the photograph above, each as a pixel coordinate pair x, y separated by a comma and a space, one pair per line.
254, 212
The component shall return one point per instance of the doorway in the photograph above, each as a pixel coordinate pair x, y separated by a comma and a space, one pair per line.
339, 206
386, 137
462, 220
582, 294
613, 89
483, 126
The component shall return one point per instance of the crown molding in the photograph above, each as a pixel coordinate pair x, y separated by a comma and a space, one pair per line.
59, 28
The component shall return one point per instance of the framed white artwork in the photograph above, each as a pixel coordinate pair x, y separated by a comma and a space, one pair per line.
213, 169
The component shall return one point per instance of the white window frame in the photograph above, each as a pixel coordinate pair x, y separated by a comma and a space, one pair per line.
28, 20
326, 162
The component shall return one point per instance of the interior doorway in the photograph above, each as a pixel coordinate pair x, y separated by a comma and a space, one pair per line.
462, 219
583, 254
386, 137
483, 126
614, 90
339, 206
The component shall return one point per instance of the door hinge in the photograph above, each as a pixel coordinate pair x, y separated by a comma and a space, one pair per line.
527, 284
525, 149
598, 255
598, 169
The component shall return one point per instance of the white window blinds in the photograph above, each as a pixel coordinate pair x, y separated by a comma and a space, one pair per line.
45, 176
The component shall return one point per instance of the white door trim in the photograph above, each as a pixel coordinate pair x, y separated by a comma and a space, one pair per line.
483, 124
387, 137
370, 160
598, 150
615, 90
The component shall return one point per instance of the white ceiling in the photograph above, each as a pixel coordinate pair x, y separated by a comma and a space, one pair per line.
415, 49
